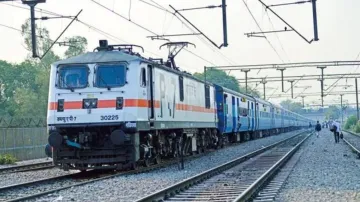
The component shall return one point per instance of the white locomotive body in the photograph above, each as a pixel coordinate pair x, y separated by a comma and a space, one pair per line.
114, 109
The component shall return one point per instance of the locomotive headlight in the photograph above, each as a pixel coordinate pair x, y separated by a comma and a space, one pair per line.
94, 103
86, 103
119, 102
60, 106
89, 103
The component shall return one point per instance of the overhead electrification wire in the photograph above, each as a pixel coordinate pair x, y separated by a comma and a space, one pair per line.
103, 32
160, 7
98, 30
277, 36
253, 17
332, 85
9, 27
146, 29
125, 18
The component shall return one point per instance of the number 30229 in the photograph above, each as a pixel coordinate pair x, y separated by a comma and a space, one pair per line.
109, 117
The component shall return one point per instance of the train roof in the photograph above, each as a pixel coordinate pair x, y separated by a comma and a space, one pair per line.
235, 92
100, 56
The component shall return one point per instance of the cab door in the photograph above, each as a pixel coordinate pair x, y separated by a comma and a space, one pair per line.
150, 89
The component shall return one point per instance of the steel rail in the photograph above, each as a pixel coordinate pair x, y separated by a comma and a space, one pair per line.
254, 187
142, 170
356, 150
28, 167
185, 184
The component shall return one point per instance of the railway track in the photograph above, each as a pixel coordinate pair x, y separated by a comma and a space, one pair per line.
38, 188
352, 146
237, 180
26, 168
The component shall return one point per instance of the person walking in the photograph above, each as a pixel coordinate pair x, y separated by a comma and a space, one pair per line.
317, 128
336, 129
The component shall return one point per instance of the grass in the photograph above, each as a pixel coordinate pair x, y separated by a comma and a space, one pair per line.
7, 159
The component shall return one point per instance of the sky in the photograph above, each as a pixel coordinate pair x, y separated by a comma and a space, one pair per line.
337, 27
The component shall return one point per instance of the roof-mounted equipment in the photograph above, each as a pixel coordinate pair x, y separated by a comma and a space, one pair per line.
174, 49
128, 48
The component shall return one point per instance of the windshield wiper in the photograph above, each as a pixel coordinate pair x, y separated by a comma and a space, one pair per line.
106, 85
67, 86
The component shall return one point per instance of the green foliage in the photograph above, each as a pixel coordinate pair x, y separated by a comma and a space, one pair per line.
350, 122
219, 77
356, 128
77, 46
333, 112
7, 159
24, 86
292, 106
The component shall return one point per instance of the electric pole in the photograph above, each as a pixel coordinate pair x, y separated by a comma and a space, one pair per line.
246, 73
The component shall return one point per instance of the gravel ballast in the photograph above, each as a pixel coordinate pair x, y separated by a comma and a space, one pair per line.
133, 187
22, 177
326, 172
27, 162
353, 139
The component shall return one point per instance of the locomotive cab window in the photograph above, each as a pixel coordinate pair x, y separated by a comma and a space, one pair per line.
181, 86
110, 75
207, 96
72, 76
143, 77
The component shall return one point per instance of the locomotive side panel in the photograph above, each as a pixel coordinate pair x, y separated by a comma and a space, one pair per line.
182, 102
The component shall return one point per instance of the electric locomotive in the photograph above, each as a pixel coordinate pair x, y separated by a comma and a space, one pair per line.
114, 109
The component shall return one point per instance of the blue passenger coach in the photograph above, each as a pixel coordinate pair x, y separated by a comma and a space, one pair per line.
236, 112
243, 117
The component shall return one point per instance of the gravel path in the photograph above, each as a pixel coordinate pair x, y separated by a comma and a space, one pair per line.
132, 187
326, 172
353, 139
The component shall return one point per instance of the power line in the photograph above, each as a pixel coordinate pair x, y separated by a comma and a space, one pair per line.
253, 17
103, 32
332, 85
9, 27
125, 18
146, 29
277, 36
160, 7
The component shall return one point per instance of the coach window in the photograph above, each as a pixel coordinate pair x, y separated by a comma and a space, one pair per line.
181, 86
243, 111
207, 96
143, 77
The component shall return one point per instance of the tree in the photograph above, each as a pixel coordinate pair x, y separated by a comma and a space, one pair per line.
350, 122
77, 46
43, 43
333, 112
292, 106
219, 77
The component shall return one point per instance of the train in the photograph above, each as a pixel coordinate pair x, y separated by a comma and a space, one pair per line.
114, 109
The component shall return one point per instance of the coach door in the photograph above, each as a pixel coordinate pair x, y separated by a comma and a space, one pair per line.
151, 93
252, 116
225, 112
249, 114
233, 115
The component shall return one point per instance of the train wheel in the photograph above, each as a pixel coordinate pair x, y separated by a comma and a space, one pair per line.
157, 159
133, 166
146, 162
